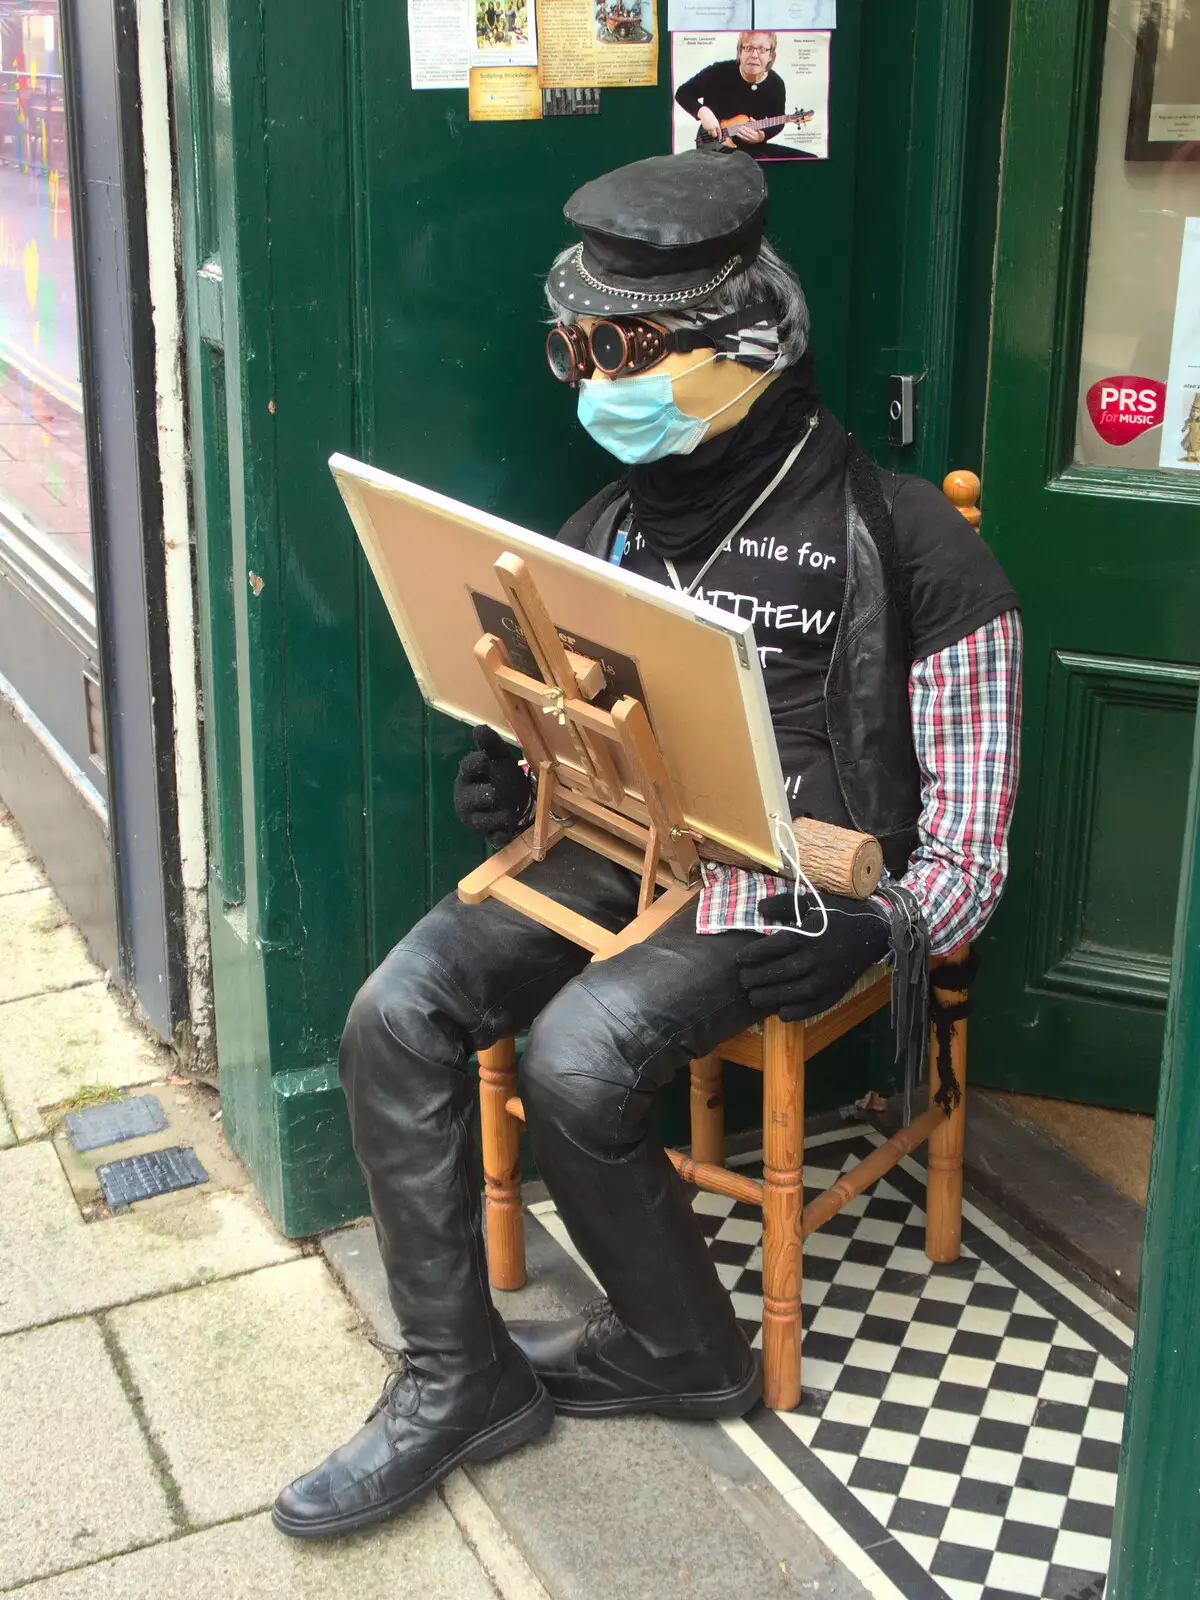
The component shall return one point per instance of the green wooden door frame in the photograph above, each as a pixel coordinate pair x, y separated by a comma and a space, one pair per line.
278, 581
1156, 1535
1112, 654
334, 235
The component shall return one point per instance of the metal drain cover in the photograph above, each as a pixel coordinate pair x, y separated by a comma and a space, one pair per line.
121, 1119
142, 1177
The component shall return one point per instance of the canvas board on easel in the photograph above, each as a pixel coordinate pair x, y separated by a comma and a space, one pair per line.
695, 668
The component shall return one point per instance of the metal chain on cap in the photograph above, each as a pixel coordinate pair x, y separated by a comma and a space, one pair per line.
656, 299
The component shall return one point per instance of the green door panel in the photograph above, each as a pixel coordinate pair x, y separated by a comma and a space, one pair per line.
374, 286
1107, 563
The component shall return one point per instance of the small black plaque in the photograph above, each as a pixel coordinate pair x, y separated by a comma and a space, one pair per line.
142, 1177
620, 671
120, 1119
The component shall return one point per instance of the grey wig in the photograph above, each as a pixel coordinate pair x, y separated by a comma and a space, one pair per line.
769, 279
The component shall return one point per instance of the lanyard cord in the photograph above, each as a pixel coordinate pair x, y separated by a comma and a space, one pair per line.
789, 462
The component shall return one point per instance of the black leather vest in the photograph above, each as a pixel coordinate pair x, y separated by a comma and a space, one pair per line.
866, 689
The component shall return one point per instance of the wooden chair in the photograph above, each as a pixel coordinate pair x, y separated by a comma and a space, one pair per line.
780, 1051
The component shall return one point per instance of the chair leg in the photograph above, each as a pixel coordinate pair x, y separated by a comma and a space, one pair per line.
783, 1205
708, 1110
944, 1181
501, 1139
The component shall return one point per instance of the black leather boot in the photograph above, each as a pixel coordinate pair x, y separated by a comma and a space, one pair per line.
594, 1367
423, 1425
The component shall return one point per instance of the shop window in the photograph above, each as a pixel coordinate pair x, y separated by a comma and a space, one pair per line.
43, 470
1139, 388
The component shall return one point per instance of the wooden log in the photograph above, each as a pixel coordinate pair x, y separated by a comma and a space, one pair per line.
708, 1110
717, 1180
501, 1141
783, 1202
836, 860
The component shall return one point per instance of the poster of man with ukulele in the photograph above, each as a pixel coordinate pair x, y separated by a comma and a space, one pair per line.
763, 92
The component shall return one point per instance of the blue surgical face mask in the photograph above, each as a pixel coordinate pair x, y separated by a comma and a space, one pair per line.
637, 420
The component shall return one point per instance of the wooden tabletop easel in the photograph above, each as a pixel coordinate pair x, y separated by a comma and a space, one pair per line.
615, 796
614, 751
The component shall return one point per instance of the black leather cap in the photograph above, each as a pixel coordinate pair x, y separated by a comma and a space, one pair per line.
661, 233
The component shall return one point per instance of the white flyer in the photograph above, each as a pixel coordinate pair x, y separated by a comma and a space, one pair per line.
792, 14
1180, 446
437, 44
723, 16
709, 16
501, 33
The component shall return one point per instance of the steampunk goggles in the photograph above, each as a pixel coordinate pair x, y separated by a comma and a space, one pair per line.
617, 349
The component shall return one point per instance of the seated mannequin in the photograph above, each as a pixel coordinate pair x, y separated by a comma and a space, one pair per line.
890, 645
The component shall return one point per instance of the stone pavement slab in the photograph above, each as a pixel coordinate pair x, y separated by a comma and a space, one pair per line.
53, 1045
419, 1556
18, 870
53, 1264
618, 1506
76, 1478
7, 1136
40, 947
247, 1384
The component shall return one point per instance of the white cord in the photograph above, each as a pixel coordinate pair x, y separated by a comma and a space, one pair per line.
761, 499
790, 851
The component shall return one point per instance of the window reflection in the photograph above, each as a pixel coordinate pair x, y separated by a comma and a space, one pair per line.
43, 472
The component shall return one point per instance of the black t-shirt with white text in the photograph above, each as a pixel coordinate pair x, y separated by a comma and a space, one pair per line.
785, 572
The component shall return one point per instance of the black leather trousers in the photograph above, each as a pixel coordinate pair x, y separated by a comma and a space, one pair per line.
603, 1038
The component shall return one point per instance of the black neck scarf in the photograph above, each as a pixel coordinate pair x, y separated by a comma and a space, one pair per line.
682, 504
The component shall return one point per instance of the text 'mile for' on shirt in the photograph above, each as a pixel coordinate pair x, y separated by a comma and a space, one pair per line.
785, 572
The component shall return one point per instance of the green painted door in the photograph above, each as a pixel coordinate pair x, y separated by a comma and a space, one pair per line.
1103, 544
363, 268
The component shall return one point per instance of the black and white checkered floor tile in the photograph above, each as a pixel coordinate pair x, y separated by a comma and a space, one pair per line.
959, 1433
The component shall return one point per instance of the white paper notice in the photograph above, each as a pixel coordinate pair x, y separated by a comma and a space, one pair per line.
437, 44
501, 33
709, 16
794, 14
1181, 419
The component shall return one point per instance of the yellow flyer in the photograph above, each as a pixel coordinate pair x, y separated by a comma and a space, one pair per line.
504, 94
597, 44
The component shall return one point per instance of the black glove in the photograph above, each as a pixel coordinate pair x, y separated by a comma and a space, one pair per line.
792, 976
492, 794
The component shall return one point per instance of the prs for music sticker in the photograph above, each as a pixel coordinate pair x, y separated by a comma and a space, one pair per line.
760, 91
1122, 408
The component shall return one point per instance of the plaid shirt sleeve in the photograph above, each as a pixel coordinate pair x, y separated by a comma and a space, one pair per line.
966, 719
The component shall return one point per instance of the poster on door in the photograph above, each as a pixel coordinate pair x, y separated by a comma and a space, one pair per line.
766, 93
1181, 420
